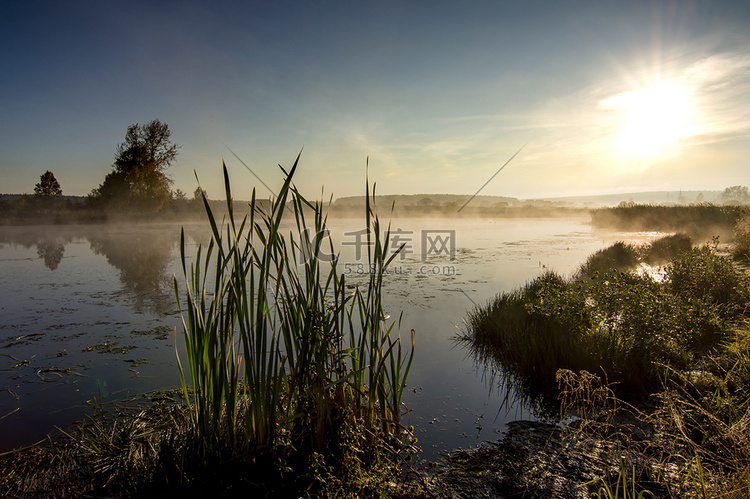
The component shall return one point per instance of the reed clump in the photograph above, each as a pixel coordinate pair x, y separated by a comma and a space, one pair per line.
283, 362
699, 220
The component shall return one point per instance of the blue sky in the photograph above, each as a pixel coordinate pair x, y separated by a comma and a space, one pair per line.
607, 96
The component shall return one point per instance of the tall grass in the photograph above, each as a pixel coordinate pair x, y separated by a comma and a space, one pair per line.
742, 238
280, 358
621, 486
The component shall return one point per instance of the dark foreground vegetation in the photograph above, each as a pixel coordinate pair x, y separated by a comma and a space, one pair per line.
292, 380
654, 369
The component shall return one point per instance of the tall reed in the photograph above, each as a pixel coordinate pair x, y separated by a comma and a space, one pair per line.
278, 354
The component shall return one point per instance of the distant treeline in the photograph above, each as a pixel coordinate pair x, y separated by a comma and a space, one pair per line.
455, 205
430, 201
28, 209
694, 219
21, 209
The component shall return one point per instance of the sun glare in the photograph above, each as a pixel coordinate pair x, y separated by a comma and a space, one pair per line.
654, 119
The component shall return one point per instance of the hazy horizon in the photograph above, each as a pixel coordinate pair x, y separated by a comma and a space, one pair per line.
663, 196
604, 97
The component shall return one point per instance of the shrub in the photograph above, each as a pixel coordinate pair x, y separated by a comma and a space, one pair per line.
702, 274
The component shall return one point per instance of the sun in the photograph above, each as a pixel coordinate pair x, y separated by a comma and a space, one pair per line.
653, 119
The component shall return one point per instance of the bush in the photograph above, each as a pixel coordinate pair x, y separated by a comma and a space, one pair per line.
702, 274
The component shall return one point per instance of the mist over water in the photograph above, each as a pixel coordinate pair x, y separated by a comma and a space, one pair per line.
88, 313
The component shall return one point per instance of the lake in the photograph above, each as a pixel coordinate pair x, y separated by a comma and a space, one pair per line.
88, 314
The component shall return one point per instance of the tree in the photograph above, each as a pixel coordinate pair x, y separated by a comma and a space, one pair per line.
48, 186
736, 194
138, 176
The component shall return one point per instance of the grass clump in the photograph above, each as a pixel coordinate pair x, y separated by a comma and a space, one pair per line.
666, 248
624, 257
282, 362
704, 412
620, 325
623, 486
619, 256
529, 330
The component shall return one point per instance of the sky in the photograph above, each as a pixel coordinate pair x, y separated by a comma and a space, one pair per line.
599, 96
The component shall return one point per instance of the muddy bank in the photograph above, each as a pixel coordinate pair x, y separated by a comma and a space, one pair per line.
573, 460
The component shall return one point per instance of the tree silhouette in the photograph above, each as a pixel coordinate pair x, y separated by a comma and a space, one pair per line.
199, 193
48, 186
736, 194
138, 177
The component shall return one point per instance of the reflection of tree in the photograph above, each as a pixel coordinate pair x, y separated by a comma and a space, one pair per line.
51, 251
141, 256
50, 243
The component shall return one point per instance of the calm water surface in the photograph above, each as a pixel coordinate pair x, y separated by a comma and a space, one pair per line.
88, 312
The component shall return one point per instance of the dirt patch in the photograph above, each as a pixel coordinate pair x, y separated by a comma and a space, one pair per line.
574, 460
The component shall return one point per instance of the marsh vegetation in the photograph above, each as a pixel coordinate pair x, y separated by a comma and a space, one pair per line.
699, 221
620, 345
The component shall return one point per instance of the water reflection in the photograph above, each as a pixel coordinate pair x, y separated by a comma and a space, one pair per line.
142, 258
51, 251
49, 243
504, 384
141, 254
